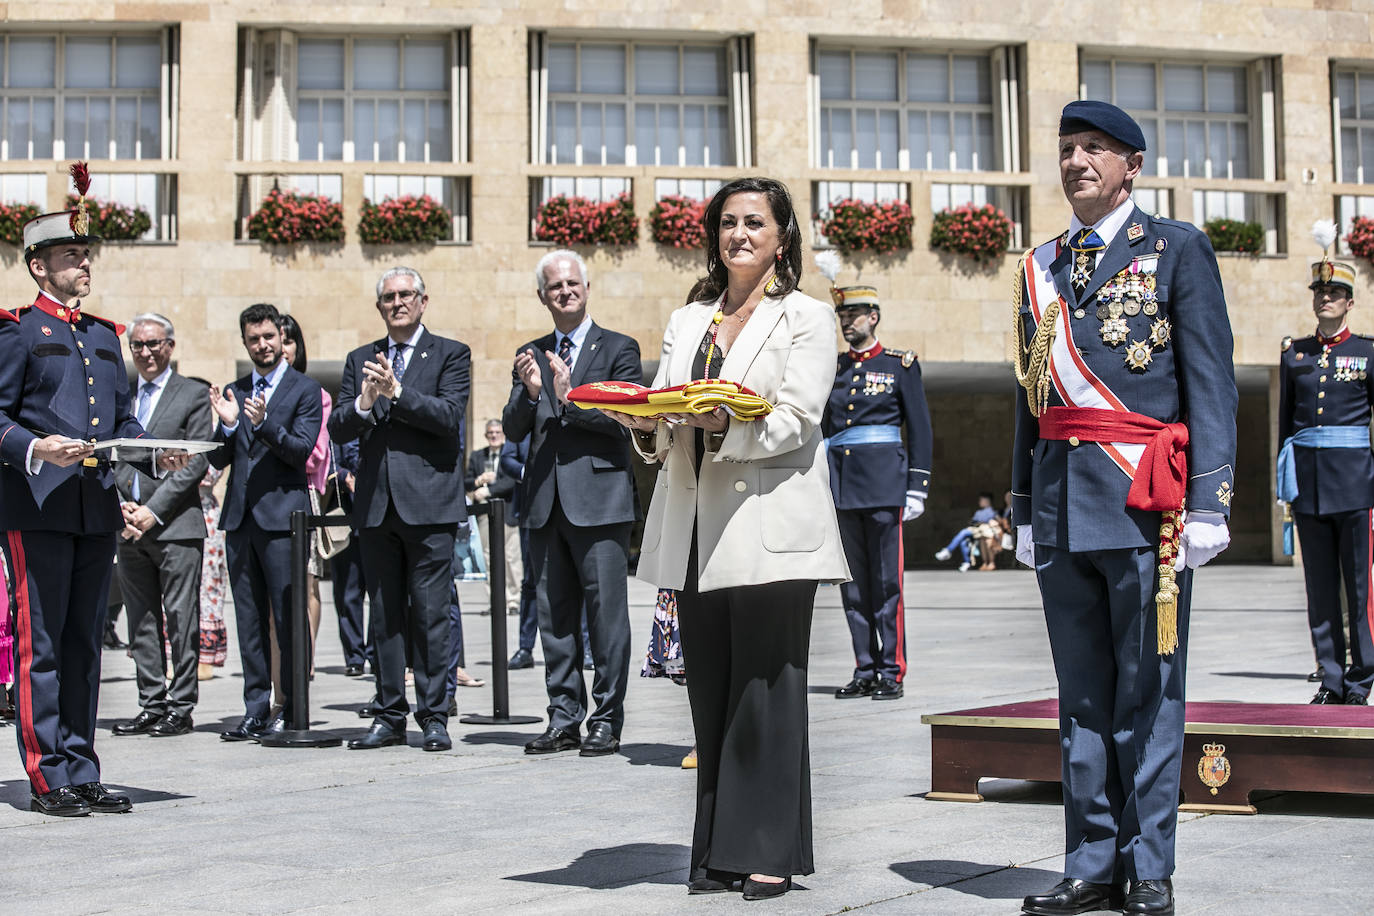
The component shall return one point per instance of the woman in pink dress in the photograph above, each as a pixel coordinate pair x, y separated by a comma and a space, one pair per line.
214, 582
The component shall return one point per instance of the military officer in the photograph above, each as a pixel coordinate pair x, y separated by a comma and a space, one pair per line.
1326, 476
63, 388
878, 483
1124, 352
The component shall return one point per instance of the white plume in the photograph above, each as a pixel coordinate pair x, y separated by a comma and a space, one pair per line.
828, 263
1324, 232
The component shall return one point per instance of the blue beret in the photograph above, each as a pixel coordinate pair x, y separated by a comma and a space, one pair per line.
1104, 117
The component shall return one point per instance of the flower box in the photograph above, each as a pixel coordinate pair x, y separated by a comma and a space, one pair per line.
404, 220
1235, 235
566, 220
856, 225
1361, 237
679, 222
12, 220
981, 233
114, 222
286, 218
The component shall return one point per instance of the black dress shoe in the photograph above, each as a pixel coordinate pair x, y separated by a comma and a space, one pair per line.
63, 802
1354, 699
1153, 897
111, 638
436, 736
102, 800
370, 709
552, 741
1315, 677
274, 727
1326, 697
859, 687
1072, 896
762, 890
523, 658
887, 690
379, 735
138, 725
599, 741
247, 730
353, 671
172, 724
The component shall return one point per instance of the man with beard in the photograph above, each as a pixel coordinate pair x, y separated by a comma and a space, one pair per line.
63, 388
878, 483
269, 421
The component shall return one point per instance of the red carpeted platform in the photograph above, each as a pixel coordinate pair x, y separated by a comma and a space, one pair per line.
1229, 750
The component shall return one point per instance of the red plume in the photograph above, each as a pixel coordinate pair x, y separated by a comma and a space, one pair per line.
81, 177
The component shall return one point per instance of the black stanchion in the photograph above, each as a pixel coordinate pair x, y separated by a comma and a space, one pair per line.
300, 735
495, 510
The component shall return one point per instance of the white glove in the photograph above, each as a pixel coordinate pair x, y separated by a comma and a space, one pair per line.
915, 507
1204, 536
1025, 546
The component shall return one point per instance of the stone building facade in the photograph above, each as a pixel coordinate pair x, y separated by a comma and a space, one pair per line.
193, 110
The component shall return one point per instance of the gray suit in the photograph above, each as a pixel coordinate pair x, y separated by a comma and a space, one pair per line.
159, 573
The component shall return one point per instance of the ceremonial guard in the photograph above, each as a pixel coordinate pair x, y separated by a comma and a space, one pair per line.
1123, 347
1326, 477
877, 482
63, 389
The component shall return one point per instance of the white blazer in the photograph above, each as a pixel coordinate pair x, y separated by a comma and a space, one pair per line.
762, 503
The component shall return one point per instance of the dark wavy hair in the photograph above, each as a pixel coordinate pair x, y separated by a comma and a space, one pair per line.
789, 266
291, 330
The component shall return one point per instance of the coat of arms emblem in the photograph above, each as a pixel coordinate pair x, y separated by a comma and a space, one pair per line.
1214, 769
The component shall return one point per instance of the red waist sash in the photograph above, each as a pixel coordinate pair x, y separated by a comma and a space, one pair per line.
1161, 479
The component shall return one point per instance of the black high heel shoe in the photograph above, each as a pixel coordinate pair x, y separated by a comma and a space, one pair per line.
762, 890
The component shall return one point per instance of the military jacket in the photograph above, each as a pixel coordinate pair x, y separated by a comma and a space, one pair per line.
878, 387
63, 376
1148, 333
1328, 385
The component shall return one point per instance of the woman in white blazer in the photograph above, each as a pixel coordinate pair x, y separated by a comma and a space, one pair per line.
743, 525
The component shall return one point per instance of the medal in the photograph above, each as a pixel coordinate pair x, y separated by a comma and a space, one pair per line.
1159, 333
1131, 307
1080, 274
1150, 308
1114, 331
1138, 356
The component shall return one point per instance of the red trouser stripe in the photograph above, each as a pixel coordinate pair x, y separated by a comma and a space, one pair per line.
901, 603
23, 642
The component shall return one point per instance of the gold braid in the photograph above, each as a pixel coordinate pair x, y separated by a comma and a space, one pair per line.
1032, 363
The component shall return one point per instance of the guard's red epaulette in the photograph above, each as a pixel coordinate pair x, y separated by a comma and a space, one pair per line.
112, 325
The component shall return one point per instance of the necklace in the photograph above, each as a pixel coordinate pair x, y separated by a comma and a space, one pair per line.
711, 347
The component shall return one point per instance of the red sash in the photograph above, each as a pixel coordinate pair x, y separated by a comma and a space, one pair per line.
1161, 478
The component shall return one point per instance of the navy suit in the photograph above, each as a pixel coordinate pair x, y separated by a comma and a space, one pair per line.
512, 465
1333, 386
61, 373
577, 498
346, 568
407, 503
266, 485
1121, 704
870, 483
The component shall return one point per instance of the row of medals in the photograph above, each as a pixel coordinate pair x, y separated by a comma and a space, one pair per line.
1342, 373
1129, 294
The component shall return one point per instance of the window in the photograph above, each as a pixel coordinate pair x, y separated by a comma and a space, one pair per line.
85, 96
1354, 106
373, 100
912, 109
639, 103
451, 193
1198, 118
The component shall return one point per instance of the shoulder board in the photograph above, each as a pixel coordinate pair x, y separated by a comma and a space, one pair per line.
1365, 337
908, 357
1287, 342
112, 325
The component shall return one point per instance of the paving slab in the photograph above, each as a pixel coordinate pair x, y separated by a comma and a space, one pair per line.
221, 828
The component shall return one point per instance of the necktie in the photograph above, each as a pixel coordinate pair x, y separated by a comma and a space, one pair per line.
565, 351
398, 362
1085, 247
260, 388
145, 403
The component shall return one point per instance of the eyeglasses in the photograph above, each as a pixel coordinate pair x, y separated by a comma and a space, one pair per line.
150, 345
492, 434
405, 295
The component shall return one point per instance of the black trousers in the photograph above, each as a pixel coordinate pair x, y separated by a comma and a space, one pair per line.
746, 653
346, 569
1336, 553
872, 540
260, 579
409, 576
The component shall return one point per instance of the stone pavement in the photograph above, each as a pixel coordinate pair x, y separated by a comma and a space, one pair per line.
245, 829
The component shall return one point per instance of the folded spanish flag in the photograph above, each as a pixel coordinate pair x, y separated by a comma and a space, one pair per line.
695, 397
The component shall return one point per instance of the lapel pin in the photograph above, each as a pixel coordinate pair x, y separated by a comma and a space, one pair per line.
47, 331
1135, 233
592, 347
424, 355
1161, 244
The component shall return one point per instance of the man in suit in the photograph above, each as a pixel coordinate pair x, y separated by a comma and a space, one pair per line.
877, 483
63, 389
403, 397
346, 569
1124, 352
578, 500
160, 557
487, 480
269, 421
1326, 476
512, 465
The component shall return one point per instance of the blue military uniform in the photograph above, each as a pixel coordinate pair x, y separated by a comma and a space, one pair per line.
62, 372
876, 393
1326, 387
1142, 334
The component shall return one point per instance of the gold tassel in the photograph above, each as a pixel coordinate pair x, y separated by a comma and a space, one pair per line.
1166, 597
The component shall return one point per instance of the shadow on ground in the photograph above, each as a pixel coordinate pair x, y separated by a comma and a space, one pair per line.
15, 793
618, 866
991, 882
655, 755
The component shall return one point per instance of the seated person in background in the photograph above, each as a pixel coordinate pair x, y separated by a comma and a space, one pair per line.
964, 540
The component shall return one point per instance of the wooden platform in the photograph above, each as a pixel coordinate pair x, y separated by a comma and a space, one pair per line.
1229, 750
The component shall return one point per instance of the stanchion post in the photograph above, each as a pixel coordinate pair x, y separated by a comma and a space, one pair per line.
300, 735
496, 578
